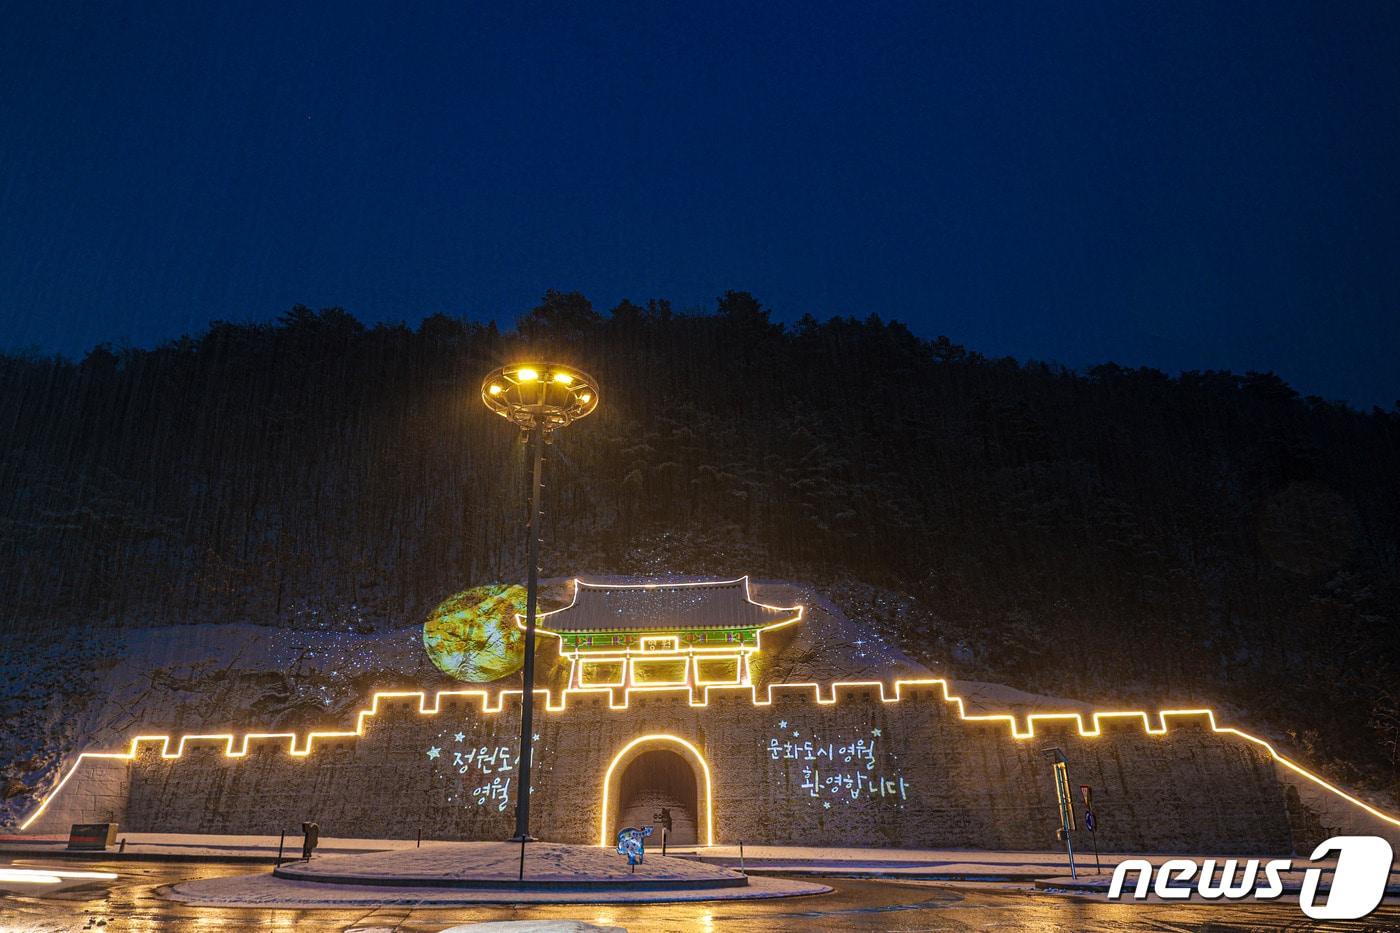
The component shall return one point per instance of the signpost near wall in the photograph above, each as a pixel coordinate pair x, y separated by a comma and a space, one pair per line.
1091, 823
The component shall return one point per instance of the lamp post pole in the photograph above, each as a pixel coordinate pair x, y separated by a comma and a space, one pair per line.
532, 586
538, 398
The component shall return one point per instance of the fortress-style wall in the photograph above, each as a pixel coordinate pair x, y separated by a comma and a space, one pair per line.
919, 774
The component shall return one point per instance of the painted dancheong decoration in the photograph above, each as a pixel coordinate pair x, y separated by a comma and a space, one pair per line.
663, 635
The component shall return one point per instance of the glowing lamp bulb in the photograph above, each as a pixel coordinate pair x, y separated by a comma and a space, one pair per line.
586, 397
526, 375
563, 378
494, 390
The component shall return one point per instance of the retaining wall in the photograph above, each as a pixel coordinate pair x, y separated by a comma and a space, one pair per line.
918, 775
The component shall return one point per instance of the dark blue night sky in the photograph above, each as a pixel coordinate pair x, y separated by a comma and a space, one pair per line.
1179, 185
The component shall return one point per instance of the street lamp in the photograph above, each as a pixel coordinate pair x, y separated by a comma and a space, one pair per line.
539, 398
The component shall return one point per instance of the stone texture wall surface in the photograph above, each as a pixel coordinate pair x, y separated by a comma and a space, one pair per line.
964, 784
98, 792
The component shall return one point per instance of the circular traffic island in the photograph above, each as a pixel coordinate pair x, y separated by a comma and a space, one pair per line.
547, 866
451, 873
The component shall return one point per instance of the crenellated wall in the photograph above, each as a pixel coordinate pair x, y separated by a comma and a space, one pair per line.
921, 773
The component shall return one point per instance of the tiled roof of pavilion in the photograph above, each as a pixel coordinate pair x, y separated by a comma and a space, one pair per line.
660, 607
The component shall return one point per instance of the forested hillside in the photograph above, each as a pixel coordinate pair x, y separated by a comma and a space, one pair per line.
1113, 535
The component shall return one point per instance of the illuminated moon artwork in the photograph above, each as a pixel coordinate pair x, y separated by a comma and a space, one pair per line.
473, 637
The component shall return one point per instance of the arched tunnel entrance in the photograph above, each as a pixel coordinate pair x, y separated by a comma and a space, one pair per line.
656, 779
655, 771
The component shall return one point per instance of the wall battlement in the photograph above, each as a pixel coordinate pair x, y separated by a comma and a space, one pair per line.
926, 771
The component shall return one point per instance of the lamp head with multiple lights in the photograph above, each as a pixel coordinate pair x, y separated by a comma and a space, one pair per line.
543, 395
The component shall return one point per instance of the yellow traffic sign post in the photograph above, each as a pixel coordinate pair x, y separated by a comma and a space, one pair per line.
1056, 755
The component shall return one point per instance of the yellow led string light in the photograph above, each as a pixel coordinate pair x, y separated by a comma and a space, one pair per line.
605, 835
609, 653
1009, 720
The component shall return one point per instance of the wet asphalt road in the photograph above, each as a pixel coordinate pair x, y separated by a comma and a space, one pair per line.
132, 903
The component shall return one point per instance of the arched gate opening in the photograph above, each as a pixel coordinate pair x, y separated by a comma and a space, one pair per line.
652, 772
660, 780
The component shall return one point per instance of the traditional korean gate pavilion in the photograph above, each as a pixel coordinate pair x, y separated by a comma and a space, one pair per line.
662, 635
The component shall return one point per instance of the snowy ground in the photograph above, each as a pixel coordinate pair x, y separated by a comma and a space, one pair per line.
265, 891
546, 863
485, 873
828, 861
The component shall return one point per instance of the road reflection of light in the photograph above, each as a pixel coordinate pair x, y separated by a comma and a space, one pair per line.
135, 924
51, 875
707, 922
280, 920
28, 877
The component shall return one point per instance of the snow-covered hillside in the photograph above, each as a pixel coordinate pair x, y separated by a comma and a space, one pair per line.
95, 692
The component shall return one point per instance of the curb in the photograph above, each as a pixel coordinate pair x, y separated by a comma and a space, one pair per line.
817, 871
876, 874
292, 872
187, 892
112, 855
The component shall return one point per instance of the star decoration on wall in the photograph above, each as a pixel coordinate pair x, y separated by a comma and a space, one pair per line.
875, 732
535, 737
795, 733
826, 804
434, 751
782, 723
460, 736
